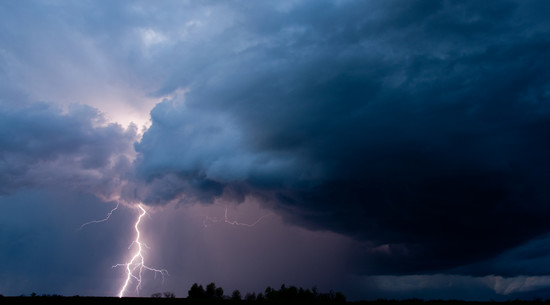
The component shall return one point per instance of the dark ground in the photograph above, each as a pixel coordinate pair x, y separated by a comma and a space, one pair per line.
76, 300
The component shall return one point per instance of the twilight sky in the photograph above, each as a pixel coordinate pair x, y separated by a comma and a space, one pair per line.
391, 148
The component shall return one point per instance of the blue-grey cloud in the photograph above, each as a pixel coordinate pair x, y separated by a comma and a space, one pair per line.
418, 127
40, 146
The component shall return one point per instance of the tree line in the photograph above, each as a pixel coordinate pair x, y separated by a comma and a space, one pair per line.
291, 293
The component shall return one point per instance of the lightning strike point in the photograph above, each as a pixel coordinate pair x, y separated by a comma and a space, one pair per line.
135, 267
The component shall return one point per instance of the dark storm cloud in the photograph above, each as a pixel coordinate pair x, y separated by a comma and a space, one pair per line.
40, 145
530, 258
419, 127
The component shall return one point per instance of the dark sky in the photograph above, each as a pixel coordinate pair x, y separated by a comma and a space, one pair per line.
390, 148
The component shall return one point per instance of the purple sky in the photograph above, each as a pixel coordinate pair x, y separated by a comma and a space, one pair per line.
391, 148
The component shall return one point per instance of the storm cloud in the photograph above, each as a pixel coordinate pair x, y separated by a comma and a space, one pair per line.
41, 146
410, 135
419, 128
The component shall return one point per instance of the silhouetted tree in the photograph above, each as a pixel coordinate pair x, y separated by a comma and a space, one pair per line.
315, 292
169, 295
211, 291
308, 295
250, 296
196, 292
340, 297
260, 297
283, 295
291, 293
219, 293
156, 295
269, 293
236, 295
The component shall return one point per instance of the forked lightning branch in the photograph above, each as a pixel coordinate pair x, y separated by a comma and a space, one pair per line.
135, 266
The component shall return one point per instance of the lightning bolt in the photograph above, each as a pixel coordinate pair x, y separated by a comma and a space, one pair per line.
136, 265
236, 223
102, 220
233, 222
